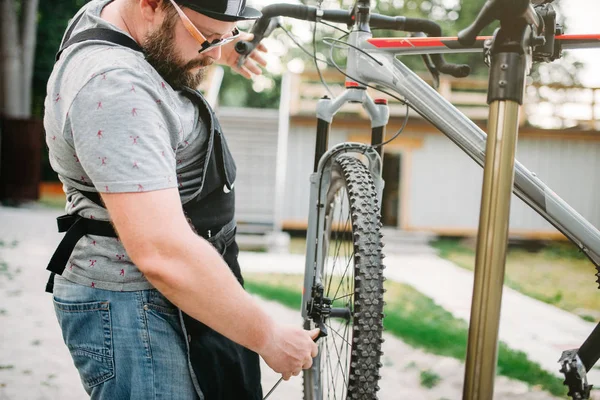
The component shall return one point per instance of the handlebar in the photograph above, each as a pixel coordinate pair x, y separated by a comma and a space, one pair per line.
265, 25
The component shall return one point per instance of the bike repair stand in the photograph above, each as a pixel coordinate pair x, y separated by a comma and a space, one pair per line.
510, 53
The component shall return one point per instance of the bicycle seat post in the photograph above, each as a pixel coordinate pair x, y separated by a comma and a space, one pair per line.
510, 52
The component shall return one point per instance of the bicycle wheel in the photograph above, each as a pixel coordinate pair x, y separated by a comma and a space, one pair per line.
348, 363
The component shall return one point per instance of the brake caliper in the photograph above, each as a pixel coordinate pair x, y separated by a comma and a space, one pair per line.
319, 309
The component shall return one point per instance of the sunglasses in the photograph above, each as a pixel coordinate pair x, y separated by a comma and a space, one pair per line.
196, 34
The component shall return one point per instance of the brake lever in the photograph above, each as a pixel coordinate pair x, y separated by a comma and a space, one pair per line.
435, 74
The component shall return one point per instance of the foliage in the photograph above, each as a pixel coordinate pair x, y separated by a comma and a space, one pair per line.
429, 379
53, 19
238, 91
452, 15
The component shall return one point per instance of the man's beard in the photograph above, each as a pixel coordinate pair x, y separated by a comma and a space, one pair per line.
162, 55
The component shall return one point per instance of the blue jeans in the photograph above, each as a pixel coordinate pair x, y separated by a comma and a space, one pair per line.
125, 345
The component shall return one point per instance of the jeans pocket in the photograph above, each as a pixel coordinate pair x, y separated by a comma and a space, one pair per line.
157, 302
87, 332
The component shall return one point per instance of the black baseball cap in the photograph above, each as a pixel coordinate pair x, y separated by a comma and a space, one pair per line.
223, 10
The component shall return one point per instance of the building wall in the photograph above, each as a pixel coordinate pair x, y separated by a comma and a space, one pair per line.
252, 136
440, 186
301, 154
446, 184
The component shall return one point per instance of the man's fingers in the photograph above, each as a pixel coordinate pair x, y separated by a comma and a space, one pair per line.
314, 351
242, 71
252, 67
262, 48
256, 56
307, 364
314, 334
286, 377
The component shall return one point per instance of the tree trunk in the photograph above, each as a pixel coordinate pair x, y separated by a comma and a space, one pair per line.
21, 137
28, 36
11, 61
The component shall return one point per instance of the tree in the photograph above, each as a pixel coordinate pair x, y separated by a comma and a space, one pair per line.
53, 21
18, 27
20, 136
452, 15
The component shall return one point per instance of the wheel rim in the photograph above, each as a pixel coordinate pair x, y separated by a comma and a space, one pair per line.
338, 282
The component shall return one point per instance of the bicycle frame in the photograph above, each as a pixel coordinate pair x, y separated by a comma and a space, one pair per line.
394, 75
373, 61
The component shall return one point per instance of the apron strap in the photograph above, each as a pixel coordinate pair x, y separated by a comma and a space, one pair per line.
108, 35
75, 227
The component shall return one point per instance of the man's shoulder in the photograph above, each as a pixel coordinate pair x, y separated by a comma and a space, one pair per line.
91, 60
108, 70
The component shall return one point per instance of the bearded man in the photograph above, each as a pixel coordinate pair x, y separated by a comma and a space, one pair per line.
146, 284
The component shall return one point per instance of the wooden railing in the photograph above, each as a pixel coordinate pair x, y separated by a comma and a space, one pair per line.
548, 106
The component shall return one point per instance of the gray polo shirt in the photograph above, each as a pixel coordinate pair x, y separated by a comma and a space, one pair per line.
113, 125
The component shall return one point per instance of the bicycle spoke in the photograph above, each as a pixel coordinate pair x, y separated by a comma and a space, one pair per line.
337, 333
344, 296
338, 246
342, 278
331, 370
340, 285
338, 354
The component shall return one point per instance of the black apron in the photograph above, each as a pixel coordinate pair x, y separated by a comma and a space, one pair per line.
223, 370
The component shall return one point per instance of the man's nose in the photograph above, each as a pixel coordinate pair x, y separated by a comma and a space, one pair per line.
214, 53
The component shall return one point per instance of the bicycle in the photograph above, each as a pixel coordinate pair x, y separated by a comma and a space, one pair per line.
346, 191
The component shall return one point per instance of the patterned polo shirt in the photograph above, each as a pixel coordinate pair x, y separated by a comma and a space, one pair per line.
114, 125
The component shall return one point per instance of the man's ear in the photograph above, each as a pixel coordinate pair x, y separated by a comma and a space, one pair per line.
152, 10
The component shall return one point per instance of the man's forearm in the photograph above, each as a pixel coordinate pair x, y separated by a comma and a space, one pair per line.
191, 274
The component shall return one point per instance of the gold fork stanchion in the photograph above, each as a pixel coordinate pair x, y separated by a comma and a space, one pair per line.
509, 64
511, 53
491, 251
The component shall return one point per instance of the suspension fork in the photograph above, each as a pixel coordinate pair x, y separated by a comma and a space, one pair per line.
378, 111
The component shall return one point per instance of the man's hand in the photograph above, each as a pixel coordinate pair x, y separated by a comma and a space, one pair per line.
252, 64
290, 350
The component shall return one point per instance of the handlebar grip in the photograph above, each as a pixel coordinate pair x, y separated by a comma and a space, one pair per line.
243, 47
267, 23
491, 11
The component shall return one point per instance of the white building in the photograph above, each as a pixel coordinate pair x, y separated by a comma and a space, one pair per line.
431, 185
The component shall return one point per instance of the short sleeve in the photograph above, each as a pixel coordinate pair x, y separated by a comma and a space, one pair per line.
123, 133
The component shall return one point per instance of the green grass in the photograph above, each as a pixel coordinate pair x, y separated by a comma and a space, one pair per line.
5, 270
448, 246
288, 297
419, 322
556, 273
429, 379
